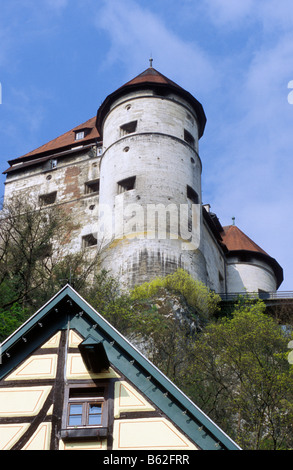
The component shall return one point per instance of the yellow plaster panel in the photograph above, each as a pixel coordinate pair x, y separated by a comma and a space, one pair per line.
10, 434
40, 440
74, 339
36, 367
53, 342
151, 433
76, 369
24, 401
129, 399
84, 445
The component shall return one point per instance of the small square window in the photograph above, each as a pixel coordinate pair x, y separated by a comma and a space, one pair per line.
92, 187
89, 240
128, 128
46, 199
126, 184
79, 135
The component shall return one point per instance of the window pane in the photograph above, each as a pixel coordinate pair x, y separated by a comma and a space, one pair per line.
75, 415
95, 414
76, 409
94, 409
75, 420
95, 420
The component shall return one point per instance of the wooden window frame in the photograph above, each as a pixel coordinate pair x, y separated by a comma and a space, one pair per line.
85, 430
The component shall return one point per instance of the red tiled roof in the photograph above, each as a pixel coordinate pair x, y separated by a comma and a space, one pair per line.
151, 77
236, 240
67, 140
64, 141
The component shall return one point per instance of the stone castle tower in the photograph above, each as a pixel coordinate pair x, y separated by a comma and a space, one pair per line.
131, 178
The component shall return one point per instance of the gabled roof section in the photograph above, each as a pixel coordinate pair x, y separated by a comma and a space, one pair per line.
68, 309
64, 142
151, 78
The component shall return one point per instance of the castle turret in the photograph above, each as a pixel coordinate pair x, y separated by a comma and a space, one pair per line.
249, 267
150, 179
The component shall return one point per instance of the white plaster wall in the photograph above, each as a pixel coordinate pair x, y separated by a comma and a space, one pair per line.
250, 276
153, 114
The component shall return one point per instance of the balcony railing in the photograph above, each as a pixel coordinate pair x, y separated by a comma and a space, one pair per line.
230, 297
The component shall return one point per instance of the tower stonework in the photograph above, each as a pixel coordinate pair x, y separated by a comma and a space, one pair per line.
130, 178
150, 180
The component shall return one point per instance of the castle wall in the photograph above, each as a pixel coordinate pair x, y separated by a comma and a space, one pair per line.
68, 178
215, 262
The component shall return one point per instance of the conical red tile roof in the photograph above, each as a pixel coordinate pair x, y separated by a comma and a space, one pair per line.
151, 77
236, 240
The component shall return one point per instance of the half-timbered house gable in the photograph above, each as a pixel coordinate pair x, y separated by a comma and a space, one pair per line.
69, 380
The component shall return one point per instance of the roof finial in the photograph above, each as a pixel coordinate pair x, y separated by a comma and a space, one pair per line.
233, 218
151, 62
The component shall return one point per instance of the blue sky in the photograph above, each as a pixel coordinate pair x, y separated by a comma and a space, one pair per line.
59, 59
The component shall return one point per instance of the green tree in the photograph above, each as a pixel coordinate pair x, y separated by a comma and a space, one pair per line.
26, 249
34, 260
160, 317
241, 377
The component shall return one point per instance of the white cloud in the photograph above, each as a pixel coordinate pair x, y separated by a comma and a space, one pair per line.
271, 14
230, 12
136, 33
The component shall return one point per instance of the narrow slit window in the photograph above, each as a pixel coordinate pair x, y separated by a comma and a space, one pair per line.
128, 128
192, 195
189, 138
126, 184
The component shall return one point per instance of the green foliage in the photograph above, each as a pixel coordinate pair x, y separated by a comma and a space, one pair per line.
195, 293
239, 374
11, 319
34, 264
232, 366
173, 307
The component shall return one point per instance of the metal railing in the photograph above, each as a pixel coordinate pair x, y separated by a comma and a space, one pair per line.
229, 297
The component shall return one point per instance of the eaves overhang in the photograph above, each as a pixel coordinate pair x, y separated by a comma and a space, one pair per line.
22, 163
